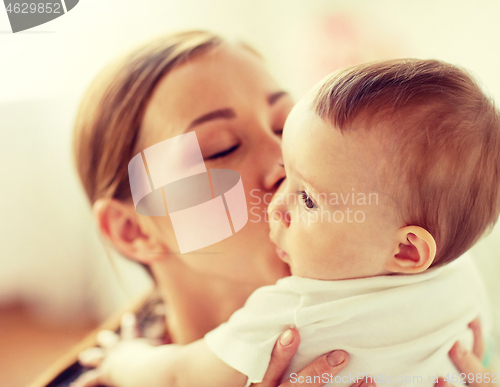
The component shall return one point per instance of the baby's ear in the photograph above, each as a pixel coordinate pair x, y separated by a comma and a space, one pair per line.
415, 251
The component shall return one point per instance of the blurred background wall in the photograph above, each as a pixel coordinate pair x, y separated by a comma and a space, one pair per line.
51, 259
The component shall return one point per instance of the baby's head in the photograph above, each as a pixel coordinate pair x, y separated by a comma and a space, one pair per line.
392, 167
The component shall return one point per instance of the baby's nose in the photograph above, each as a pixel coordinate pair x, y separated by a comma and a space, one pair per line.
277, 211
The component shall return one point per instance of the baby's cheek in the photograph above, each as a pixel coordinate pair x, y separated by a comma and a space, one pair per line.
309, 246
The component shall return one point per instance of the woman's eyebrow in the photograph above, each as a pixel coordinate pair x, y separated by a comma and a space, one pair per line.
272, 98
226, 113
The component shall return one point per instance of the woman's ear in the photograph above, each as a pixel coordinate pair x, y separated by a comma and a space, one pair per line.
118, 222
415, 251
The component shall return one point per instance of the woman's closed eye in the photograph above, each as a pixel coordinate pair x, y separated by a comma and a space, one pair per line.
223, 153
307, 201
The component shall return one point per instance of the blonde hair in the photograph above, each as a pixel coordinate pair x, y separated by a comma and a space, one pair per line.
444, 137
109, 119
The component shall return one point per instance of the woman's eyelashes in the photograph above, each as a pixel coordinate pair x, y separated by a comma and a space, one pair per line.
307, 201
223, 153
231, 149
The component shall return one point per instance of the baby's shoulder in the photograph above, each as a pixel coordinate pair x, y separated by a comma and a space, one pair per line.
277, 297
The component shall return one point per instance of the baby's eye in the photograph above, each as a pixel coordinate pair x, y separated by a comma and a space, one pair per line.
307, 201
223, 153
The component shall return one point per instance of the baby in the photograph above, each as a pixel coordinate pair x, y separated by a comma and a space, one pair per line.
393, 172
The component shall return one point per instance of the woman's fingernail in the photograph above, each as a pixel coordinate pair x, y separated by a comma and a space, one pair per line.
286, 338
335, 358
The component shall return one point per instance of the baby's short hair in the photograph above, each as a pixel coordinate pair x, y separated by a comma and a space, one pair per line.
444, 143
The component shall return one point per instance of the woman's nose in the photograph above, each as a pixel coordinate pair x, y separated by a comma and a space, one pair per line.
274, 172
274, 177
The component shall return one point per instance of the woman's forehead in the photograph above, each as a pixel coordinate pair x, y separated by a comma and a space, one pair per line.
229, 77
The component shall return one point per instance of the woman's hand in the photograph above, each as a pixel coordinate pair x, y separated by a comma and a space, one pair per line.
324, 366
469, 363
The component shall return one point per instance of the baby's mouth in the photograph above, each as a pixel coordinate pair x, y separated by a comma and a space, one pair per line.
279, 251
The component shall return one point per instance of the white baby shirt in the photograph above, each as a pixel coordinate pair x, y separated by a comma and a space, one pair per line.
397, 329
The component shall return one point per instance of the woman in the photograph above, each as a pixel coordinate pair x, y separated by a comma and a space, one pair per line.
184, 82
193, 81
